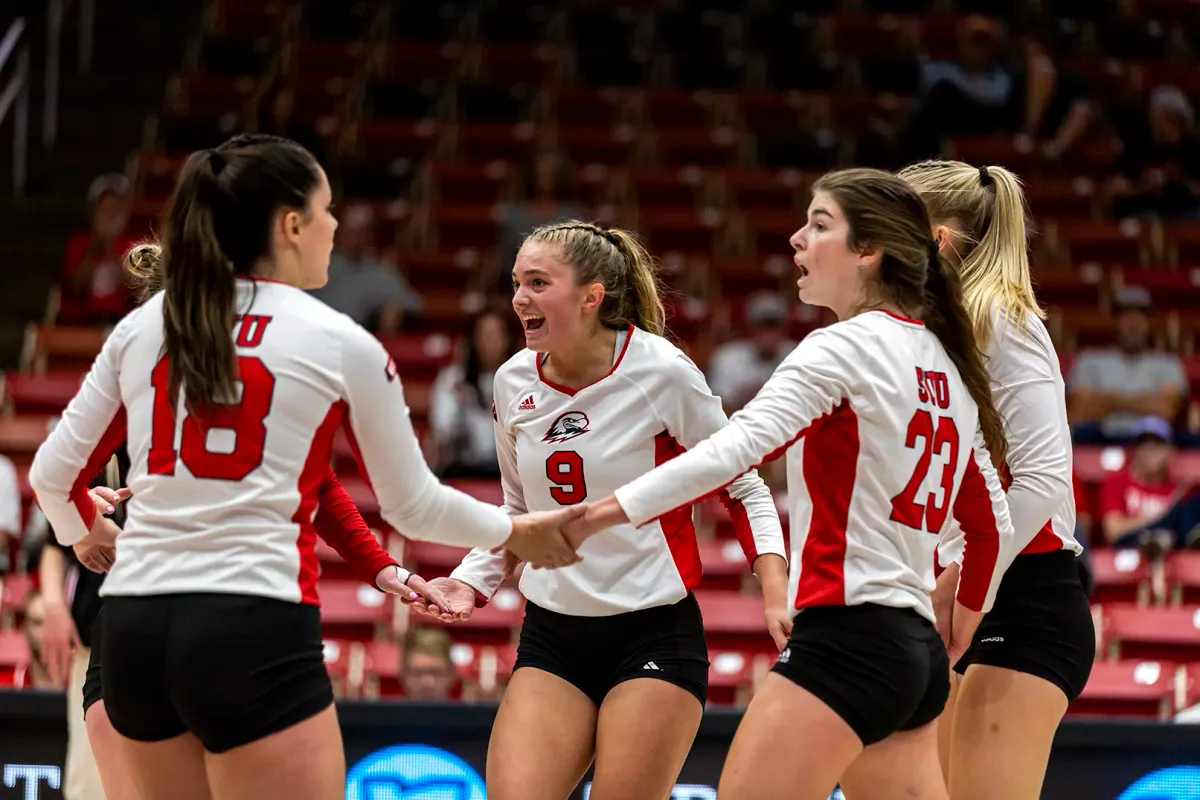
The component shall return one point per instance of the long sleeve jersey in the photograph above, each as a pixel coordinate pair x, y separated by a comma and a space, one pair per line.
559, 446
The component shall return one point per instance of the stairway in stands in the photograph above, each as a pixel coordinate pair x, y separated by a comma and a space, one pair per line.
138, 45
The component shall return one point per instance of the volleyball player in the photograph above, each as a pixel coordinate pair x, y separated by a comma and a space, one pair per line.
1033, 652
888, 422
597, 398
230, 384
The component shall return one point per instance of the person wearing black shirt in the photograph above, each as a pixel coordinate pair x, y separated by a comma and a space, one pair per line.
71, 595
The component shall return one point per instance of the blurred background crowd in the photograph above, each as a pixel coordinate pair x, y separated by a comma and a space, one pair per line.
451, 129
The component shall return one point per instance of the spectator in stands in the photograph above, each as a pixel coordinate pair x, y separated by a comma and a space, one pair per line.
370, 291
92, 288
277, 116
546, 194
10, 510
1159, 164
1050, 104
971, 95
739, 368
1139, 497
461, 405
1111, 389
427, 672
37, 673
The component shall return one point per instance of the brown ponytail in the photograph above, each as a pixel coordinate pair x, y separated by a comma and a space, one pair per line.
218, 227
886, 213
198, 292
617, 260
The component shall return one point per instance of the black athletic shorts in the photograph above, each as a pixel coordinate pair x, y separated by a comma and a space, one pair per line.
232, 669
594, 654
92, 690
1040, 624
881, 669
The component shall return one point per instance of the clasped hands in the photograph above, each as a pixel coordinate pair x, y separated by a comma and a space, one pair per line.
541, 540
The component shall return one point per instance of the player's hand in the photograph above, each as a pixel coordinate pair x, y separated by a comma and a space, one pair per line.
415, 590
943, 601
107, 500
59, 641
964, 621
779, 625
538, 538
98, 550
459, 596
597, 517
513, 566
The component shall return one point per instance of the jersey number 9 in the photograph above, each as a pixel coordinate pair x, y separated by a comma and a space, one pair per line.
246, 419
564, 469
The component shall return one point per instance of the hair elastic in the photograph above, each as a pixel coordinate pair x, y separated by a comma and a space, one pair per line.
985, 177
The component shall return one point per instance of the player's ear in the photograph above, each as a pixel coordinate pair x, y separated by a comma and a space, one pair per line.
593, 296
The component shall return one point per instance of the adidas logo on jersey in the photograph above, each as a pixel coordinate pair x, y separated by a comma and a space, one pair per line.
527, 404
785, 656
652, 666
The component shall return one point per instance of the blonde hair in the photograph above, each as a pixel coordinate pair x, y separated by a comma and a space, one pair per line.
617, 260
143, 262
985, 207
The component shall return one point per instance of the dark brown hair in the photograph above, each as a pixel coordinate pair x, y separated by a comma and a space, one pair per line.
885, 213
217, 227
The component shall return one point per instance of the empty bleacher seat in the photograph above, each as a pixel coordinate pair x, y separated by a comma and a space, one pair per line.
1120, 576
1168, 634
352, 610
14, 658
1127, 688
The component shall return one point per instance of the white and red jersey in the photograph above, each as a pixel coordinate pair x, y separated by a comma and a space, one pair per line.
883, 449
226, 503
1029, 393
560, 446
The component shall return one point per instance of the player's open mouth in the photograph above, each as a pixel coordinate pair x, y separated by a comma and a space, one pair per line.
533, 323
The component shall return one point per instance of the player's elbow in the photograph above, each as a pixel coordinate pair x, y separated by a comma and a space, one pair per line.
41, 475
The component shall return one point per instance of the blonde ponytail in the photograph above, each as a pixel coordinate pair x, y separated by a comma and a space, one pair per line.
646, 305
985, 207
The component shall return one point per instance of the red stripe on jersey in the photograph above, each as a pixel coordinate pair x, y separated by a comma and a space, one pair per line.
741, 525
981, 537
567, 390
111, 439
677, 524
312, 476
901, 317
830, 471
1046, 541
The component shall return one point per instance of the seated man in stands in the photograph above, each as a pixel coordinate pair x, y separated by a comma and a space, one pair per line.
1142, 506
427, 673
370, 291
1111, 389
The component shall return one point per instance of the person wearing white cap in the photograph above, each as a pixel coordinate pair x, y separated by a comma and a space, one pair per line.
737, 369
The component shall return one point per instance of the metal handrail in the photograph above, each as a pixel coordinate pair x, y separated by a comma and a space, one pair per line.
56, 16
16, 94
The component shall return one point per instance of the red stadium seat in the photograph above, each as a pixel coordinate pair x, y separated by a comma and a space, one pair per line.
483, 669
432, 560
381, 669
1122, 576
21, 436
1183, 576
14, 591
14, 658
1127, 688
352, 610
732, 675
337, 663
1167, 634
62, 347
724, 564
419, 355
47, 393
735, 622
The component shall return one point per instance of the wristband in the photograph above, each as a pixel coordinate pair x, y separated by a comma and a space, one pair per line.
403, 574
